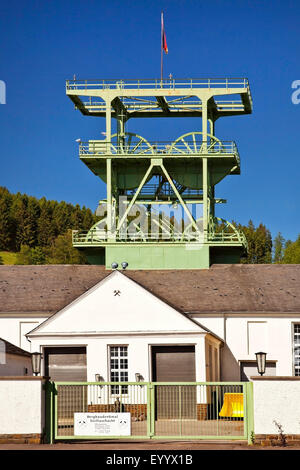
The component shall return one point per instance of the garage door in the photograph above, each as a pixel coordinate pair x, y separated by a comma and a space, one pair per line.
174, 364
66, 364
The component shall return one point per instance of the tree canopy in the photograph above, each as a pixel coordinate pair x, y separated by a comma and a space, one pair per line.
40, 231
37, 228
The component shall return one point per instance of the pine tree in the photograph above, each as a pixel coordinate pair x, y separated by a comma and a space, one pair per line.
45, 225
292, 252
6, 229
62, 251
279, 243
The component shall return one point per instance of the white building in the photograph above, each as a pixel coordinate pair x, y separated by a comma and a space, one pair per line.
183, 325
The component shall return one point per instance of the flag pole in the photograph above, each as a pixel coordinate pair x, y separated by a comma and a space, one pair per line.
161, 47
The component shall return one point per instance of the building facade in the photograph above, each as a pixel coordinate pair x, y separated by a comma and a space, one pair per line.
185, 325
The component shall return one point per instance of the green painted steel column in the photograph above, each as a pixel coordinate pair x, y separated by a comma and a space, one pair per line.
204, 122
250, 412
108, 169
109, 198
211, 126
205, 198
108, 120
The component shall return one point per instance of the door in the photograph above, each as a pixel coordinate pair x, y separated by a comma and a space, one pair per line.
67, 364
174, 364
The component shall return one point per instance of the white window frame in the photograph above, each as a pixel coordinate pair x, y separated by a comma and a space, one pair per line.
296, 344
118, 389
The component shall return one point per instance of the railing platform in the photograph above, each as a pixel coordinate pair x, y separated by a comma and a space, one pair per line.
164, 98
100, 148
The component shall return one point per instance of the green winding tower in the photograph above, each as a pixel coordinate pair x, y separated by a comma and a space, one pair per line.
159, 212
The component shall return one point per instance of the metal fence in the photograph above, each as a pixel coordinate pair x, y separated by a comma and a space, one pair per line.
152, 410
105, 84
98, 148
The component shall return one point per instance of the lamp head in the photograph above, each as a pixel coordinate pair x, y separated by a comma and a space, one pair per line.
261, 362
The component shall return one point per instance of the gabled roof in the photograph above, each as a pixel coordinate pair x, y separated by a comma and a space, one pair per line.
239, 288
118, 305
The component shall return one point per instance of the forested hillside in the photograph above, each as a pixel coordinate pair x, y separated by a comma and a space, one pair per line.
38, 231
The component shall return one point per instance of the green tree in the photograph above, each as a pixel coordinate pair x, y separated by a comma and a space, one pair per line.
24, 212
24, 255
62, 251
279, 244
292, 252
29, 255
6, 226
259, 244
38, 255
45, 225
1, 260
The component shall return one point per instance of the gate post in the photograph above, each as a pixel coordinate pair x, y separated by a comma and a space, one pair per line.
151, 410
49, 411
250, 412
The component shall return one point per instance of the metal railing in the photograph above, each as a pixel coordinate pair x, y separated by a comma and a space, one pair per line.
184, 83
182, 105
220, 230
99, 237
165, 190
163, 148
199, 410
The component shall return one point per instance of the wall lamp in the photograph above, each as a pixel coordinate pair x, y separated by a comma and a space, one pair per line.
139, 377
261, 362
36, 362
99, 378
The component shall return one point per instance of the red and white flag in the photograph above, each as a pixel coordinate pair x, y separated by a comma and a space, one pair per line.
163, 35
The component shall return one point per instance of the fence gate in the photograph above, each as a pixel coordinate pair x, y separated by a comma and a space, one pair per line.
157, 410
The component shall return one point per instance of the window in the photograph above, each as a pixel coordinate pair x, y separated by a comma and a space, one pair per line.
119, 368
297, 350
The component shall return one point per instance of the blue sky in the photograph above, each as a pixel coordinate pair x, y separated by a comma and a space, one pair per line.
43, 43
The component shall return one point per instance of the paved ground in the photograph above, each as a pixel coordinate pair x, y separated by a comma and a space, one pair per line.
152, 445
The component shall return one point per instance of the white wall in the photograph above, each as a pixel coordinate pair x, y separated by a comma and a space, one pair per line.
139, 354
13, 329
276, 400
21, 406
244, 335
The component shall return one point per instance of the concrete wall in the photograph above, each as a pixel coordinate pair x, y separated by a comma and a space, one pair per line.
22, 406
277, 399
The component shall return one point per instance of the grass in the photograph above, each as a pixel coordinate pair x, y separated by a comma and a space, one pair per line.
8, 257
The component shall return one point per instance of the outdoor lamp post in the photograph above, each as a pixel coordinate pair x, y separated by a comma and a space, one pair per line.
261, 362
36, 362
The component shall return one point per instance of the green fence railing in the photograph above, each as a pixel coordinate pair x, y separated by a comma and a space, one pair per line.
157, 410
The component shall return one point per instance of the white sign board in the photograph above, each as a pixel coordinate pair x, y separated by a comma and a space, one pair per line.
102, 424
